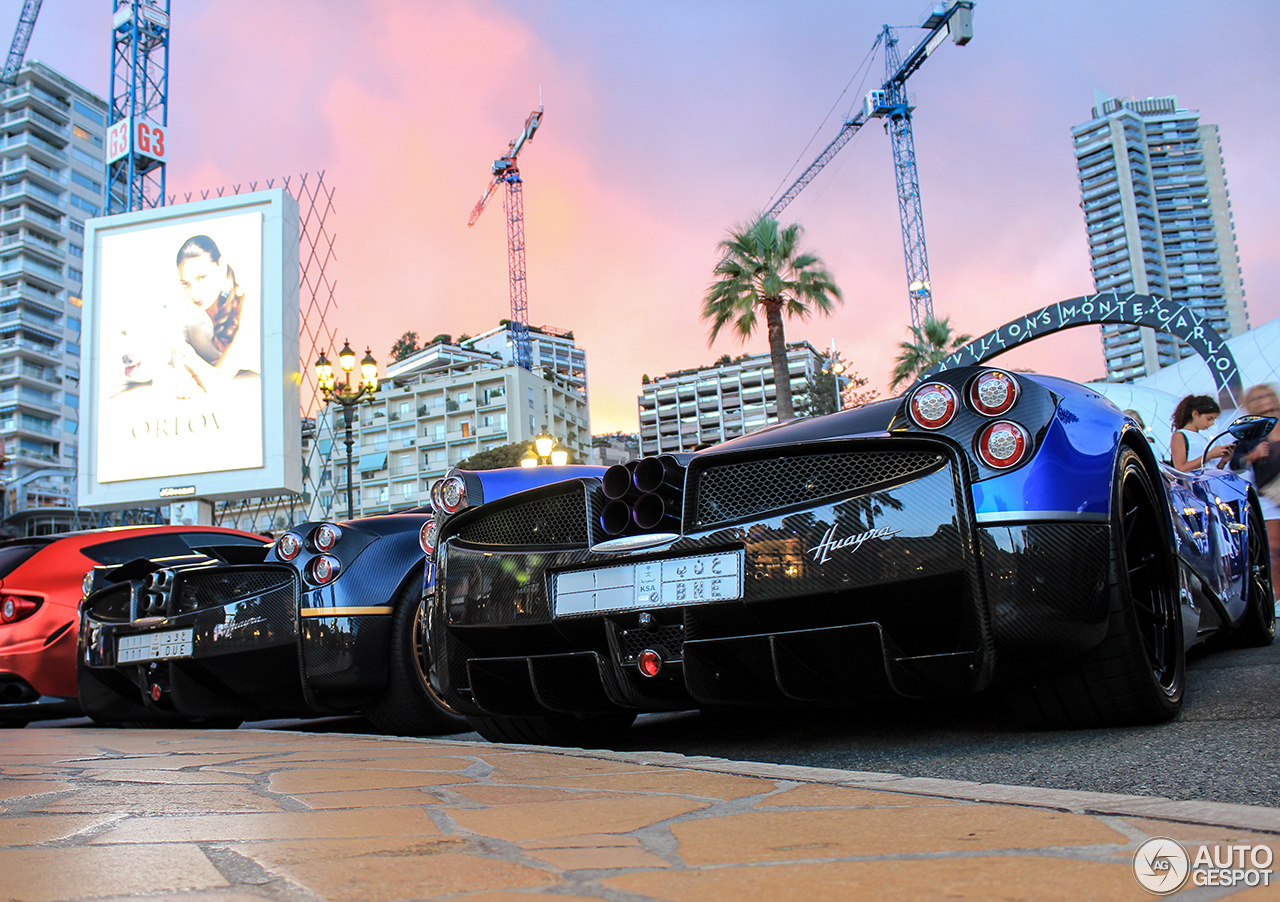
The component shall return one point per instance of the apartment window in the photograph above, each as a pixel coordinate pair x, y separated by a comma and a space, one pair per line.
466, 430
406, 489
89, 112
73, 348
75, 226
75, 274
73, 323
75, 250
72, 401
77, 201
405, 408
85, 182
85, 135
83, 156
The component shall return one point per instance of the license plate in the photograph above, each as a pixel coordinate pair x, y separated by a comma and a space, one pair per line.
154, 646
649, 584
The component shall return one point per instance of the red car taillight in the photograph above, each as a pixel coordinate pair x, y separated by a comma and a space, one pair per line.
449, 494
427, 536
288, 547
1003, 444
993, 393
933, 405
323, 569
17, 607
325, 537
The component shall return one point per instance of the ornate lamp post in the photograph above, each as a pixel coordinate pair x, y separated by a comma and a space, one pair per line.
545, 451
347, 396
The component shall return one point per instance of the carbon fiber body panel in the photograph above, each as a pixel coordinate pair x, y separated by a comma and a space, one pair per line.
884, 562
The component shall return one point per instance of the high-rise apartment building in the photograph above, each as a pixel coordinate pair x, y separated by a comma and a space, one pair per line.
51, 181
686, 409
1158, 217
438, 407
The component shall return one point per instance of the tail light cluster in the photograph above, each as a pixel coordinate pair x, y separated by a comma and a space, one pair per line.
644, 496
17, 607
1001, 444
324, 567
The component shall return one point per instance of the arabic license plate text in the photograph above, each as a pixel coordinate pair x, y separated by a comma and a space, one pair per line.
649, 584
154, 646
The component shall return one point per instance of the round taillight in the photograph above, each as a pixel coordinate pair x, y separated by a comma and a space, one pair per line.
288, 546
427, 536
933, 405
993, 393
453, 494
325, 537
323, 569
650, 662
14, 608
1003, 444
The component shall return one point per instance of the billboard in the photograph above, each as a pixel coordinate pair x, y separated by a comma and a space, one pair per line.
189, 359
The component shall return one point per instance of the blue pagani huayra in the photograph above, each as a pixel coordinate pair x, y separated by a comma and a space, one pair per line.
984, 530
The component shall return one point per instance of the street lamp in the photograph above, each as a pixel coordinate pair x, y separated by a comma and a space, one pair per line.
545, 451
835, 367
348, 396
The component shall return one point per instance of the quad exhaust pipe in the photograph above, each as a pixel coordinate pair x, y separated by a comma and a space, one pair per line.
644, 496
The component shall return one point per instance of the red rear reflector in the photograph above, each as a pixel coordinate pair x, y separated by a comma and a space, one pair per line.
650, 662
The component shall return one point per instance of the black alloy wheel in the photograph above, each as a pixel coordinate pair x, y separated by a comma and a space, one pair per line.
1137, 674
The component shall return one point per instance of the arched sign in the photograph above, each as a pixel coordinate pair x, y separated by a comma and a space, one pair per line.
1157, 313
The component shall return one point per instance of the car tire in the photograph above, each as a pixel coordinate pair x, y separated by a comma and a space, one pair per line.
411, 706
1257, 628
586, 731
1137, 674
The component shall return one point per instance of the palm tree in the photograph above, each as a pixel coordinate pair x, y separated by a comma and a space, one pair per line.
764, 269
934, 342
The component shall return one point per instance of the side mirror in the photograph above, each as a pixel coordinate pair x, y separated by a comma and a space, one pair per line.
1250, 428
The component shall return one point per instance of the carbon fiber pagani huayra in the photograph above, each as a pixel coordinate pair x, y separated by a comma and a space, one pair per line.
986, 529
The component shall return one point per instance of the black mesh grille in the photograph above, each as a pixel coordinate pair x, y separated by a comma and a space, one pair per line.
221, 586
739, 490
112, 606
549, 520
670, 638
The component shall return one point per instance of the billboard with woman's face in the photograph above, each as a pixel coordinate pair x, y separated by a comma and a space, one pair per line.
190, 361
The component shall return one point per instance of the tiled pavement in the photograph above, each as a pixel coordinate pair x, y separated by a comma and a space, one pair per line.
295, 817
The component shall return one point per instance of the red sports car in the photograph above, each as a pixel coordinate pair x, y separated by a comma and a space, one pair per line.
41, 584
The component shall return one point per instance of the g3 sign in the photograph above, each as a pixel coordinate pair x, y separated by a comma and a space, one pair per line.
143, 138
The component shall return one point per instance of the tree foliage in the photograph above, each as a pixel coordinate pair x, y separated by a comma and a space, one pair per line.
502, 456
405, 346
934, 340
822, 391
763, 269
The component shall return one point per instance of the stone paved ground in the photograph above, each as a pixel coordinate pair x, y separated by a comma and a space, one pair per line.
294, 817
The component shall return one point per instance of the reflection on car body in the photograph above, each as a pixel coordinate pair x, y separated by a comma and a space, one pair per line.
985, 530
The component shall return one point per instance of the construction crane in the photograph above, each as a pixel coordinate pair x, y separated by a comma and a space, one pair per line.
505, 172
21, 37
890, 102
137, 146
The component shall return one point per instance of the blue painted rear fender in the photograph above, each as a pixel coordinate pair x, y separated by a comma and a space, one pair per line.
1070, 476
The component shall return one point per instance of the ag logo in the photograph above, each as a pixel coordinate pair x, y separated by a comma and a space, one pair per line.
1161, 865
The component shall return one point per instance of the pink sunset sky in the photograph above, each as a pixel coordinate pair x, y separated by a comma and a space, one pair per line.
666, 123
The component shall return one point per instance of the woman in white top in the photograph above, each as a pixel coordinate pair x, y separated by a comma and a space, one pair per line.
1189, 448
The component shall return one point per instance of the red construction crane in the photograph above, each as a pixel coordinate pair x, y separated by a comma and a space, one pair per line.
504, 170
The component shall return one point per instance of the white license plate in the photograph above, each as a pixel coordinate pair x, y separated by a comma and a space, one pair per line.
649, 584
154, 646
